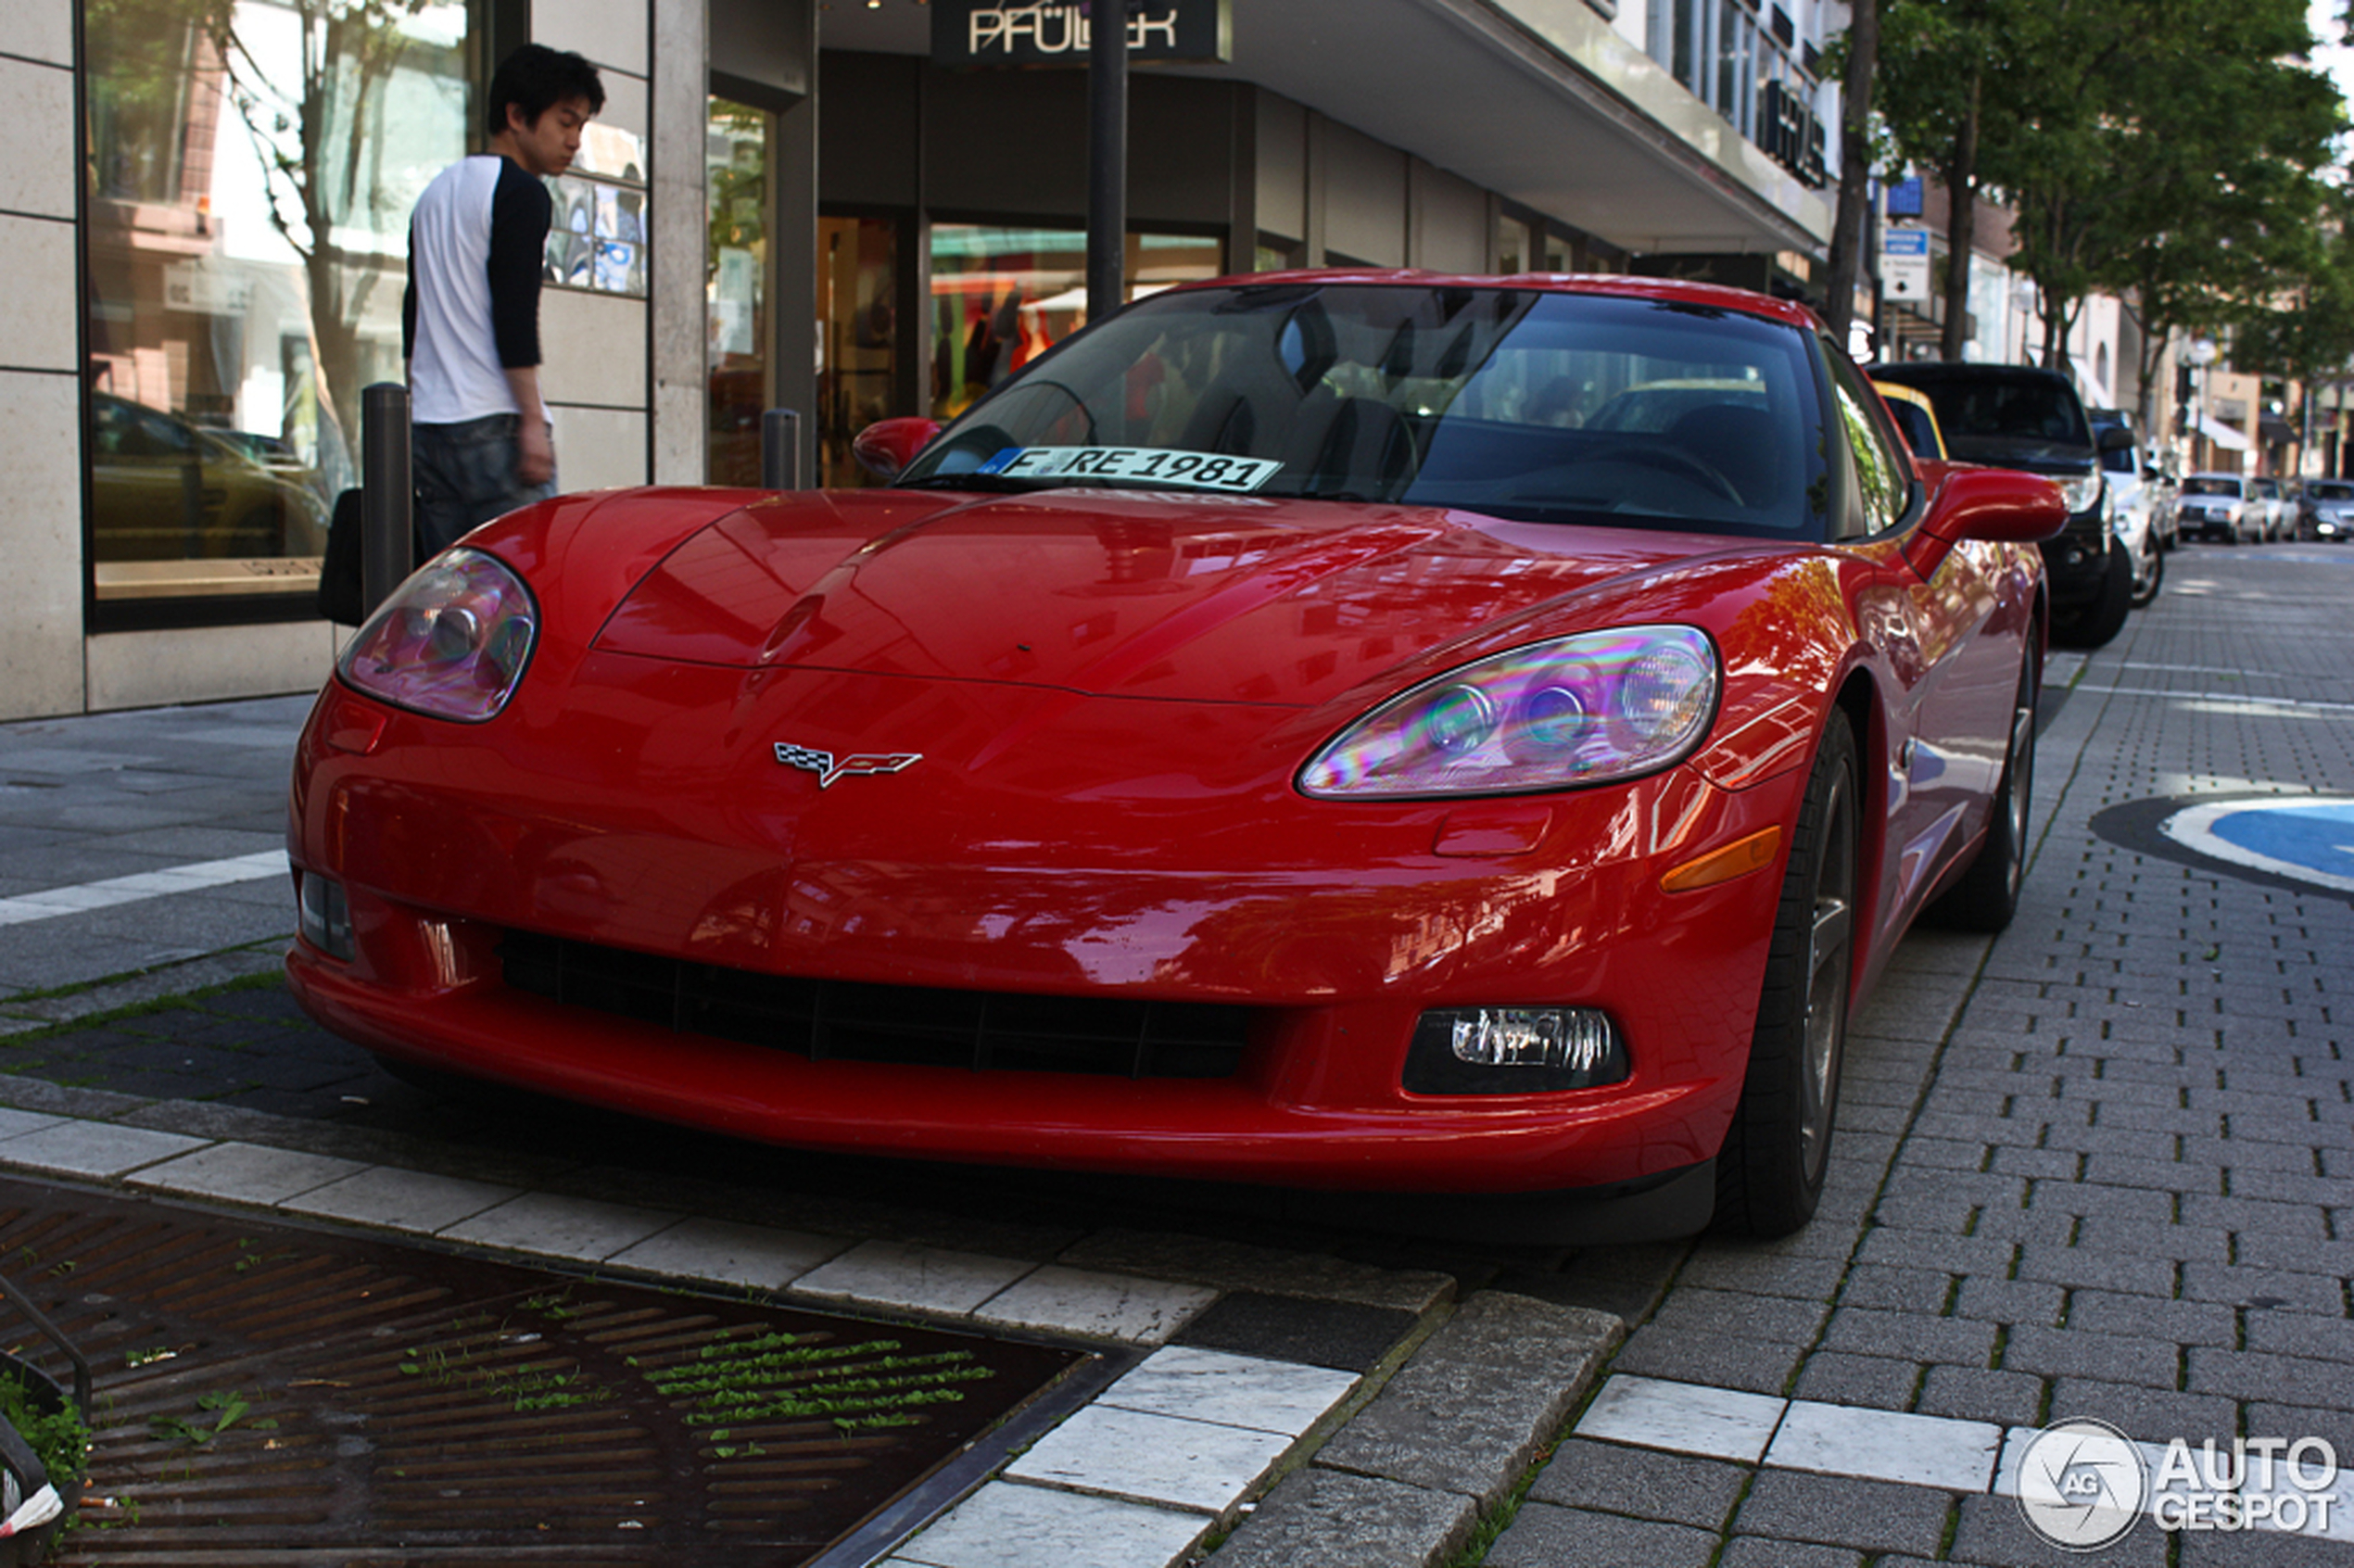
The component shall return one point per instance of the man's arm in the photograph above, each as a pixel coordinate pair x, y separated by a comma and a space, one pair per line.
536, 450
519, 213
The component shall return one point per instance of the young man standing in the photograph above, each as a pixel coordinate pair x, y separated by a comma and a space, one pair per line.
470, 320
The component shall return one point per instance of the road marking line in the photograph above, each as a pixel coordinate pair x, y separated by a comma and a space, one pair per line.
1849, 1443
83, 897
2231, 699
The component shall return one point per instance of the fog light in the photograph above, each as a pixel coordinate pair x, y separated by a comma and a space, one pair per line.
327, 922
1513, 1051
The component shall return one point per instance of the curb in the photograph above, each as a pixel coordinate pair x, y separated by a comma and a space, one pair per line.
1405, 1481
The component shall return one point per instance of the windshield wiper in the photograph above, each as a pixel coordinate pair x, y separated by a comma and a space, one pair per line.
999, 483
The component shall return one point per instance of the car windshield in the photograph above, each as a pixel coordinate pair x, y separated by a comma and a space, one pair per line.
1997, 418
2206, 484
2321, 492
1523, 404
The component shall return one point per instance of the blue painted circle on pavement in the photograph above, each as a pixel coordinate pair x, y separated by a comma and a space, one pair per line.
2308, 838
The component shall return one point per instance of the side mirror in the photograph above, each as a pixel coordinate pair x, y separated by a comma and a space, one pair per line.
1994, 504
886, 447
2115, 439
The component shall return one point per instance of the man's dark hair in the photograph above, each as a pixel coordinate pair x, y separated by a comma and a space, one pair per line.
535, 79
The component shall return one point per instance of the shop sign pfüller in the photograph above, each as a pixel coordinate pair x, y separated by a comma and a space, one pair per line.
1008, 33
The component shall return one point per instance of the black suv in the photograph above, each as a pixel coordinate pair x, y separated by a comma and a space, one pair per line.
2010, 416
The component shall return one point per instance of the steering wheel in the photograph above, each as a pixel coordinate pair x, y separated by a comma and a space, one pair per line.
1676, 460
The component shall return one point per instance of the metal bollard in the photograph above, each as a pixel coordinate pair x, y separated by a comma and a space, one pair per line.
388, 530
780, 449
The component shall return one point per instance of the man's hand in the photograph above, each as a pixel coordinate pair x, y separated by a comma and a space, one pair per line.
535, 453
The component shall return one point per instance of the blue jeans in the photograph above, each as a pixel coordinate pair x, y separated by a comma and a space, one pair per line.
466, 475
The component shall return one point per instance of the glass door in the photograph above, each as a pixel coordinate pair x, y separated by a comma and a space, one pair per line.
740, 385
857, 336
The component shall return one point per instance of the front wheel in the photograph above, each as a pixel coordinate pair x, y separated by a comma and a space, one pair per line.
1769, 1173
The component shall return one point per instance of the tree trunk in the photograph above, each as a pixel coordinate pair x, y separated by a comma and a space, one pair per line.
1961, 227
1855, 167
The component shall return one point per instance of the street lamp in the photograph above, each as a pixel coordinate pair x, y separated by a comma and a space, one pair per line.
2201, 354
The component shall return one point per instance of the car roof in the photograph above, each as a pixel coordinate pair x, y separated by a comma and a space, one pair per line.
1914, 371
1612, 284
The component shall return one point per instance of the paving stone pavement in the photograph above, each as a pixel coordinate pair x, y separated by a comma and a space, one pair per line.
2100, 1166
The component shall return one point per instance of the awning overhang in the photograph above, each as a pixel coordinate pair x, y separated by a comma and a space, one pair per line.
2223, 435
1540, 100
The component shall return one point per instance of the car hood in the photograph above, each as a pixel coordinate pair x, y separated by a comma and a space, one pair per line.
1207, 598
2056, 458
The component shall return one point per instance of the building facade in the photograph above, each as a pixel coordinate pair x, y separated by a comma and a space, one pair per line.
850, 209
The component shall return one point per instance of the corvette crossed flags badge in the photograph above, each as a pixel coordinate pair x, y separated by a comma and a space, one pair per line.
828, 767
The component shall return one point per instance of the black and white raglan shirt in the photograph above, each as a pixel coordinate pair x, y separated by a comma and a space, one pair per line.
471, 310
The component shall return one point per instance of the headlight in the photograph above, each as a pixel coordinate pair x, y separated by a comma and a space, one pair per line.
451, 642
1578, 710
2080, 493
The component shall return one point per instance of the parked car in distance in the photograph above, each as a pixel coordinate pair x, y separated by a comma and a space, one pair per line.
2133, 497
2218, 506
2013, 416
2280, 511
1916, 417
2325, 510
1253, 743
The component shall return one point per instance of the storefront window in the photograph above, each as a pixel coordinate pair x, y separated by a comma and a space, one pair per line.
857, 282
253, 165
1512, 251
735, 288
1000, 297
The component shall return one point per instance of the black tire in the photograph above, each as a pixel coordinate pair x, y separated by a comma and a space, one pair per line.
1987, 895
2097, 624
2149, 572
1770, 1170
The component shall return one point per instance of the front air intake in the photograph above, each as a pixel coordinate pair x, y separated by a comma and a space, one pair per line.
913, 1026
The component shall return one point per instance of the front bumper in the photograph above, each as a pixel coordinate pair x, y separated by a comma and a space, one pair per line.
2076, 561
1335, 926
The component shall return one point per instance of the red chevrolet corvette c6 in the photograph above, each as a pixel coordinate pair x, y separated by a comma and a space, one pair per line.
1376, 732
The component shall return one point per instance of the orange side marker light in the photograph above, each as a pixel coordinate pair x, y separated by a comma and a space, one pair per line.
1736, 859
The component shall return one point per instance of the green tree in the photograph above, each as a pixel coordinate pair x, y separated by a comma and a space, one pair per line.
2304, 329
2134, 149
2168, 149
1936, 60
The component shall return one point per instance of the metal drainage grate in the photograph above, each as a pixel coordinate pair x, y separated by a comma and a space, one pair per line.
271, 1395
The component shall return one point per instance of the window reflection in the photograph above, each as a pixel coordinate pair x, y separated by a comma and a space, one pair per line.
736, 289
251, 169
1000, 297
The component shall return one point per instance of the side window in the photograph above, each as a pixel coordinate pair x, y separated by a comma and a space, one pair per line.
1883, 477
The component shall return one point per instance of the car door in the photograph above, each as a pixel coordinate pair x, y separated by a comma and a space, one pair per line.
1951, 685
